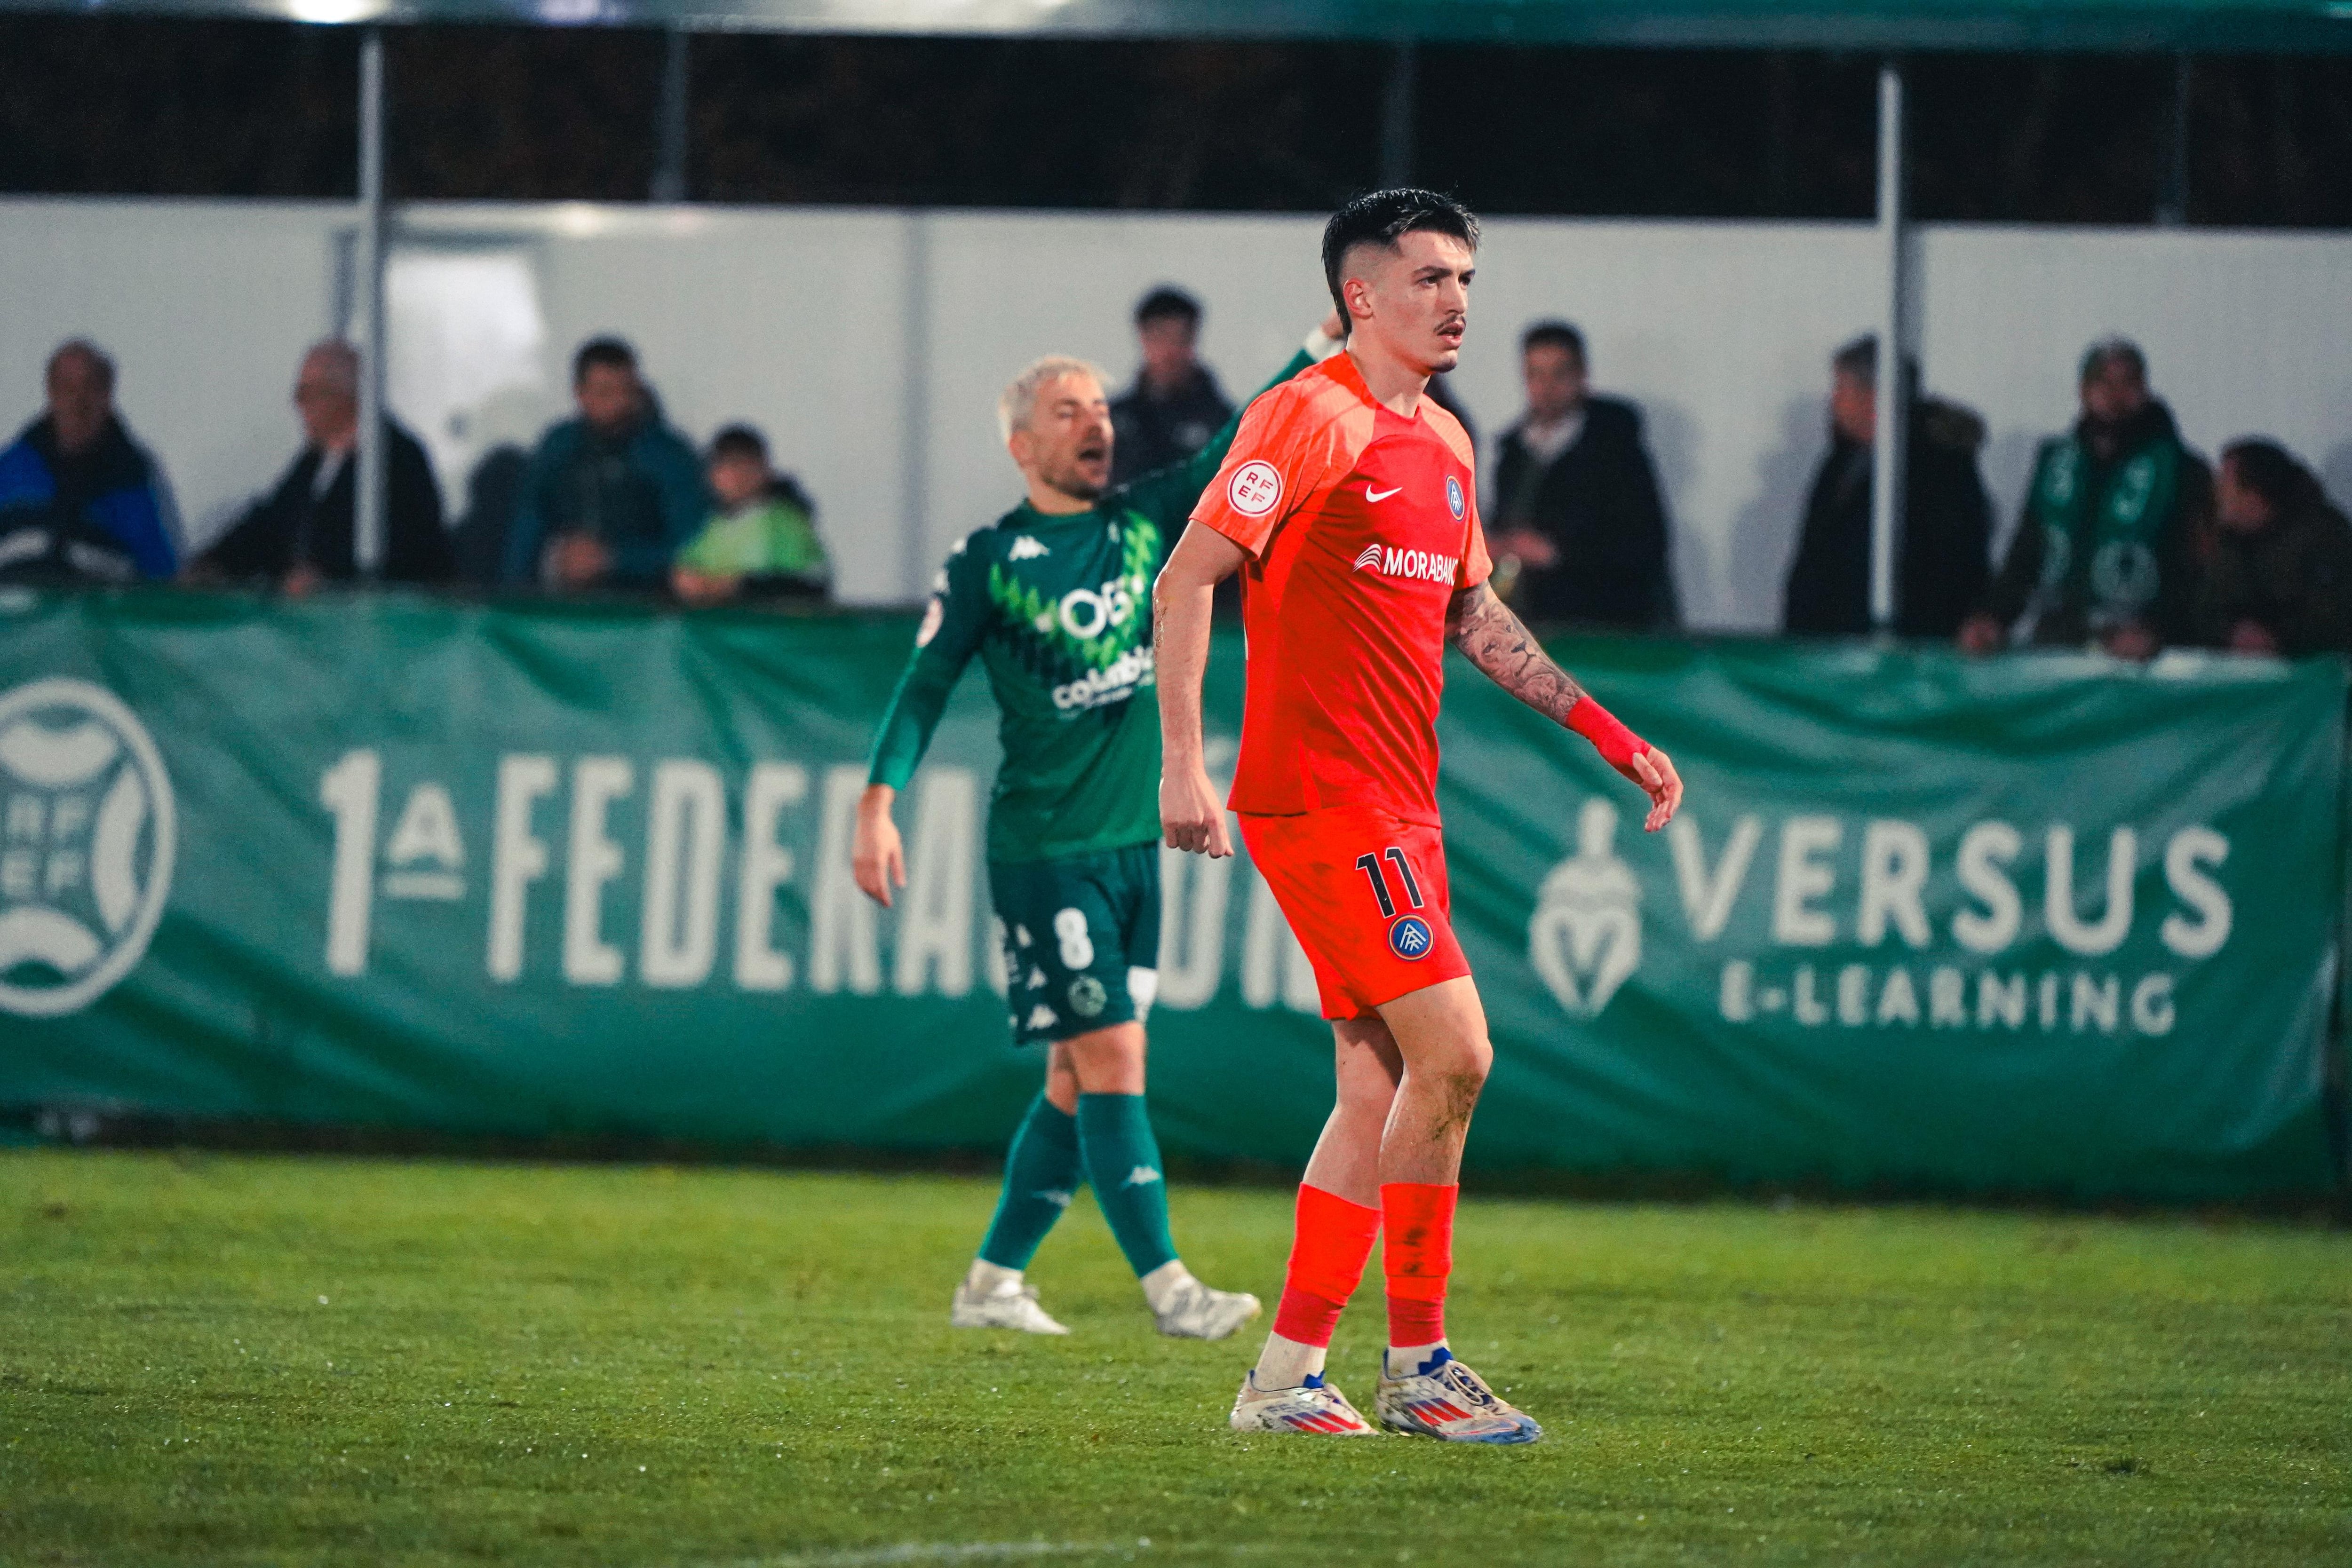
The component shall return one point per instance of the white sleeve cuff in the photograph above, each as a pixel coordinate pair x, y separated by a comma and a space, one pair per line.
1320, 347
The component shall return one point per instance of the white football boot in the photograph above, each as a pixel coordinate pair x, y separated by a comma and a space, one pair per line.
1012, 1305
1444, 1399
1315, 1408
1192, 1310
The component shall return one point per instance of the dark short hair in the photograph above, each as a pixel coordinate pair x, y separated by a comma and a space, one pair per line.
1556, 335
1168, 303
612, 353
2114, 351
738, 441
2273, 473
1858, 359
1384, 218
96, 356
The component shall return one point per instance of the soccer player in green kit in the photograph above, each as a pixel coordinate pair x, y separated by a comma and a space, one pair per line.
1055, 598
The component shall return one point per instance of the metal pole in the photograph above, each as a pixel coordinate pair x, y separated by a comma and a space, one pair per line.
669, 160
916, 560
368, 501
2172, 202
1886, 448
1396, 117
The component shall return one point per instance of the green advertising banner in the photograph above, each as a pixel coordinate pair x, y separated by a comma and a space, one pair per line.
2043, 924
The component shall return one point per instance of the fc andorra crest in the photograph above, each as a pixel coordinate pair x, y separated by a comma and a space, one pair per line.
86, 844
1586, 937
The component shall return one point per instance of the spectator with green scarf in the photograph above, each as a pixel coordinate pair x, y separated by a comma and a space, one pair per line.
2106, 539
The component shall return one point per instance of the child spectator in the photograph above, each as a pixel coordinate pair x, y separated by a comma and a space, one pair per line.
762, 541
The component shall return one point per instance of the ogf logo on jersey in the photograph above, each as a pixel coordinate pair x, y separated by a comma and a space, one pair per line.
1254, 489
86, 844
1086, 614
1454, 503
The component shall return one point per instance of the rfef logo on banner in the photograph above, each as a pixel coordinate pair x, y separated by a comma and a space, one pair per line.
86, 845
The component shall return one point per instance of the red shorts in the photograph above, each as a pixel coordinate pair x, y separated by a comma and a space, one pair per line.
1366, 893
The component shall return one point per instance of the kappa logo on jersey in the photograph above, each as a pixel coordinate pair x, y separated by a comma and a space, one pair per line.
1026, 548
1454, 500
1410, 937
1254, 489
1417, 565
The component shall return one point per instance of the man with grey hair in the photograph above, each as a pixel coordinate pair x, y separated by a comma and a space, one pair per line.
1054, 598
2105, 546
303, 533
80, 500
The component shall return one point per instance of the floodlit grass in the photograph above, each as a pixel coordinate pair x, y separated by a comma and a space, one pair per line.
216, 1360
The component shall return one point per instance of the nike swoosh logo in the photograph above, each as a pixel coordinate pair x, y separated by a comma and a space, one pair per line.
1373, 495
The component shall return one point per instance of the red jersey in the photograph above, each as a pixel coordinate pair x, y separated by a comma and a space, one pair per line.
1360, 525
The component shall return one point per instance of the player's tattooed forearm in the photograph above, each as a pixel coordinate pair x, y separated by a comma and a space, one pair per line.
1498, 642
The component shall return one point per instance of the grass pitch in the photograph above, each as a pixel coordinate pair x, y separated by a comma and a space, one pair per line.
216, 1360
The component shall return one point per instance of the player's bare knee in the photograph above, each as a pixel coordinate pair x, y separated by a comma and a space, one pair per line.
1465, 1059
1367, 1095
1108, 1061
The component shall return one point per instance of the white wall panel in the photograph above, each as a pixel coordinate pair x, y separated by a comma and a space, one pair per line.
206, 308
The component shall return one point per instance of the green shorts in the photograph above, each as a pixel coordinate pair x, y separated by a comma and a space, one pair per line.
1081, 940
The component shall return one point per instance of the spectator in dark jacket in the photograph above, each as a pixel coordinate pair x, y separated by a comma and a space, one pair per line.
611, 495
1941, 557
1576, 503
80, 500
2278, 578
304, 532
1175, 404
2106, 540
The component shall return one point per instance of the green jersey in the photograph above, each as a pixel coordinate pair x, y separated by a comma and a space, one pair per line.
1060, 610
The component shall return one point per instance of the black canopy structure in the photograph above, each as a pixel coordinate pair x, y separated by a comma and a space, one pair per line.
1873, 25
1886, 26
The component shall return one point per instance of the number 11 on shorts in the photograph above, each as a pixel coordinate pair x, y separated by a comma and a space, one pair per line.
1371, 866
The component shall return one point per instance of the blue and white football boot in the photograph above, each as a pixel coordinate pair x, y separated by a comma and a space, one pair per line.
1314, 1408
1442, 1399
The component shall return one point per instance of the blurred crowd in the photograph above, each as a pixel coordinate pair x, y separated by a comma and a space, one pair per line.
611, 499
2125, 540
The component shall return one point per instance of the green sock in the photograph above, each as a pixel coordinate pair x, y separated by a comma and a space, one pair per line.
1041, 1176
1123, 1163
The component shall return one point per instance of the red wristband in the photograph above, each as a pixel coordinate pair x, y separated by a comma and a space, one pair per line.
1617, 745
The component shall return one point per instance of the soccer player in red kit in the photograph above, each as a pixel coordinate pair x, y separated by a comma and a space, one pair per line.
1347, 503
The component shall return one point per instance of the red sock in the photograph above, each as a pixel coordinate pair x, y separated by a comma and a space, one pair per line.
1326, 1259
1419, 1255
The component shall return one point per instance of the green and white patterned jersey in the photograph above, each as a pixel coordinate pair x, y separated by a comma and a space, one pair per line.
1060, 610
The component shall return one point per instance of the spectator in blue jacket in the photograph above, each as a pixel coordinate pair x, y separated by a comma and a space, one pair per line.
81, 501
611, 494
